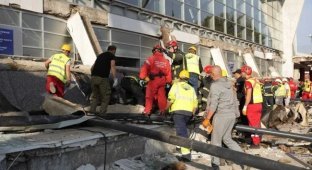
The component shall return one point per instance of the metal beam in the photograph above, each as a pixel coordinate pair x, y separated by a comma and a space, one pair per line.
273, 133
237, 157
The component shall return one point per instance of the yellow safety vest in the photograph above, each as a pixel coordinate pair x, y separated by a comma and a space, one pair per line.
256, 95
58, 65
192, 62
307, 86
183, 97
281, 91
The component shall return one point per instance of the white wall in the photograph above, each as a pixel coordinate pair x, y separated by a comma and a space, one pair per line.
31, 5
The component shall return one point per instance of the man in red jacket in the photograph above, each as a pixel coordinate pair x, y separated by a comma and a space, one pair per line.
293, 88
156, 71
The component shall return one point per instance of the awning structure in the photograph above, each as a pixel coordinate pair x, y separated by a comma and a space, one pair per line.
219, 60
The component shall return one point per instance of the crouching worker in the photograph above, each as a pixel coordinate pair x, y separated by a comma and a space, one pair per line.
182, 101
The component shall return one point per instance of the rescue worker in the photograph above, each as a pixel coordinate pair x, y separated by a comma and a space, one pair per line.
268, 96
293, 88
287, 88
156, 72
178, 59
223, 106
253, 104
182, 101
279, 92
100, 71
58, 75
194, 67
204, 88
239, 87
306, 93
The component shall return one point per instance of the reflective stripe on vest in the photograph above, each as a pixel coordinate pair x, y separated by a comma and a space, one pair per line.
307, 86
57, 66
192, 61
281, 91
184, 99
256, 95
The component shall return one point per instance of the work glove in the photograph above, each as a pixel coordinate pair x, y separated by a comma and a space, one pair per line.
244, 111
207, 125
142, 83
115, 82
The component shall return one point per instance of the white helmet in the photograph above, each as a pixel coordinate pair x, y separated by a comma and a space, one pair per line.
278, 80
285, 79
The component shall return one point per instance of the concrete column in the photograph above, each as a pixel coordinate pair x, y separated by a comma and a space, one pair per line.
291, 11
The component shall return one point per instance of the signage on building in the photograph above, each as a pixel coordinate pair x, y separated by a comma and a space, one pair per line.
6, 41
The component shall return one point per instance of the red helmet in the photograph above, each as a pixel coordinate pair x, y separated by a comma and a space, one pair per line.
157, 47
172, 43
246, 69
208, 69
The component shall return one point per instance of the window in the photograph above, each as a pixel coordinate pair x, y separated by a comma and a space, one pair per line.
240, 6
230, 28
9, 17
257, 14
219, 24
32, 38
249, 34
127, 62
240, 19
257, 37
33, 52
148, 42
240, 32
101, 34
248, 10
204, 54
219, 10
249, 22
125, 37
191, 14
151, 5
145, 52
55, 26
207, 20
173, 8
128, 51
131, 2
53, 41
230, 3
31, 21
204, 4
230, 13
263, 39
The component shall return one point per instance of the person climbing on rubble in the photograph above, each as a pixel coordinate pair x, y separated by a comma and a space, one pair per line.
279, 92
204, 88
194, 67
223, 107
178, 59
100, 71
253, 103
156, 72
287, 96
58, 75
182, 101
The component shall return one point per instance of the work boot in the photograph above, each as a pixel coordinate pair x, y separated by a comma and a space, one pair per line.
52, 88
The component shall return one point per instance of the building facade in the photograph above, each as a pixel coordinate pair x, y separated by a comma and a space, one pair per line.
234, 26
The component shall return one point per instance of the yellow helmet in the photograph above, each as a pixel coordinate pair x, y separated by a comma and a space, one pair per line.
193, 48
224, 73
184, 74
66, 47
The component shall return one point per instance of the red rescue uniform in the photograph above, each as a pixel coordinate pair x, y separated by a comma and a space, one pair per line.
254, 109
158, 70
293, 88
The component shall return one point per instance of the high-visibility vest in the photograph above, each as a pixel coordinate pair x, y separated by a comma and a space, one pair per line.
58, 65
256, 95
307, 86
288, 93
192, 61
280, 91
183, 97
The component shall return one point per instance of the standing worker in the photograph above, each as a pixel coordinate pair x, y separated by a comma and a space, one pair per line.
223, 104
182, 101
178, 59
156, 72
58, 75
194, 66
306, 94
287, 88
104, 64
268, 96
253, 104
293, 88
279, 92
